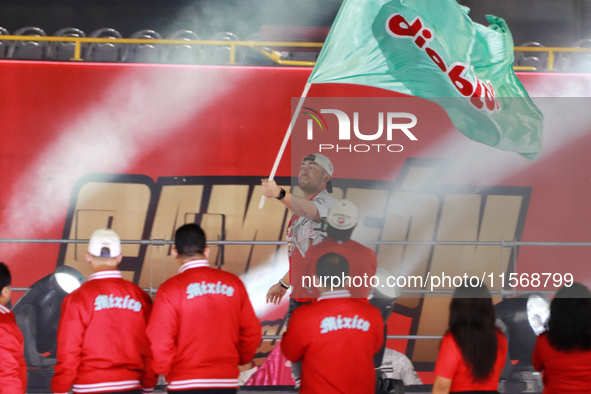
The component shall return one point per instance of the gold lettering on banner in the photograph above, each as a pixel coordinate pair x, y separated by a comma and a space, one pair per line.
415, 208
409, 217
371, 204
460, 222
275, 327
176, 206
98, 203
246, 224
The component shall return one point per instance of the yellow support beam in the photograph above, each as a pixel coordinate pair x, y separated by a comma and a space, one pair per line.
524, 68
551, 52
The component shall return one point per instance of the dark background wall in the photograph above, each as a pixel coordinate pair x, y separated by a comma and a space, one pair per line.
550, 22
204, 17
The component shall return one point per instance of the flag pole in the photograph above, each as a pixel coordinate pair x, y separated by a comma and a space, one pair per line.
286, 138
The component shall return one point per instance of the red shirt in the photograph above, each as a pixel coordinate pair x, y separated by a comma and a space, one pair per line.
13, 370
102, 342
202, 328
564, 371
296, 271
362, 265
450, 364
336, 339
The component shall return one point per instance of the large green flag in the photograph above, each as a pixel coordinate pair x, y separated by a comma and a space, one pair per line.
432, 49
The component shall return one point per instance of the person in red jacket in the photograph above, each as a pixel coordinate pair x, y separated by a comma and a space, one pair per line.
203, 325
473, 351
13, 370
335, 338
102, 341
340, 223
563, 352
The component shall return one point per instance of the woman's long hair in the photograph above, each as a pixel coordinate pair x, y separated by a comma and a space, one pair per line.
472, 324
569, 326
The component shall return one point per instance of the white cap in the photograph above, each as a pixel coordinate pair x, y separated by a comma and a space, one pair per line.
322, 161
342, 215
104, 243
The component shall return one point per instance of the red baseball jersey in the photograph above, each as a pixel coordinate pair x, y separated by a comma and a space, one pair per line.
336, 339
362, 266
451, 364
13, 370
102, 341
202, 328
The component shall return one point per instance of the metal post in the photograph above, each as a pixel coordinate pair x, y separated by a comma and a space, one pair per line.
77, 50
232, 54
550, 60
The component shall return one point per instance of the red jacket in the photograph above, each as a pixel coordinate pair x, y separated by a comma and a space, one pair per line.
102, 341
13, 370
336, 339
202, 328
564, 371
363, 264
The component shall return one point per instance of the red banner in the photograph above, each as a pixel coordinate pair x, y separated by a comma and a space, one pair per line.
150, 147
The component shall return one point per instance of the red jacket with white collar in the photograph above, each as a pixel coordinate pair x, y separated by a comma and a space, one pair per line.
102, 341
336, 339
202, 328
362, 264
13, 370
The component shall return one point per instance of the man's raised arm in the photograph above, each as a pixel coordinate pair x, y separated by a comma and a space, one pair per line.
296, 204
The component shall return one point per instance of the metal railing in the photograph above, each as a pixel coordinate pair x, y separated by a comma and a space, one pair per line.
163, 242
551, 53
266, 48
256, 45
507, 244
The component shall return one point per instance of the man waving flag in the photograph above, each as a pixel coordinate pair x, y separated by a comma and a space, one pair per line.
432, 49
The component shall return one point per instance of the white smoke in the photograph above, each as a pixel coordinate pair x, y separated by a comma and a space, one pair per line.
567, 120
140, 111
245, 18
258, 281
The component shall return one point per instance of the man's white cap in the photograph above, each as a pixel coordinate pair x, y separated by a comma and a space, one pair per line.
342, 215
104, 243
322, 161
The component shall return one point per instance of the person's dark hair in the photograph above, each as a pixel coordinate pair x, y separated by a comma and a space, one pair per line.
472, 324
569, 326
339, 235
332, 264
189, 240
5, 277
